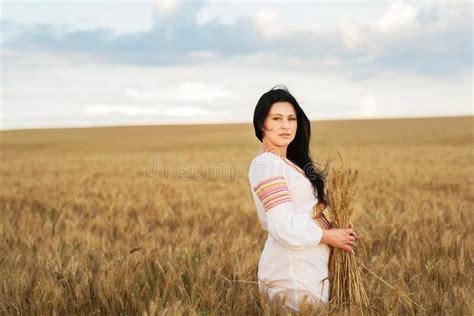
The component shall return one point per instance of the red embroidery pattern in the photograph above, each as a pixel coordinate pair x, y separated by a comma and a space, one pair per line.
272, 192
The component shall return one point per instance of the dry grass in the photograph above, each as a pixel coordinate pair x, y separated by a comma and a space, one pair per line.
88, 225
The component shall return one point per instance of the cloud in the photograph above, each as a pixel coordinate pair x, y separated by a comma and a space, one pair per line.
118, 16
166, 6
43, 92
398, 15
267, 22
368, 106
433, 39
122, 109
185, 91
98, 110
198, 92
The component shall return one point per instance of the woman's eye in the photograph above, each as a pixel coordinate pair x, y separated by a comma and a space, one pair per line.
276, 118
292, 119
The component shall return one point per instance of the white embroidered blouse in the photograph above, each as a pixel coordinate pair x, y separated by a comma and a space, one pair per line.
293, 262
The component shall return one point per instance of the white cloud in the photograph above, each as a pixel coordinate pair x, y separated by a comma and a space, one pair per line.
212, 11
186, 91
267, 22
157, 95
368, 106
428, 39
202, 55
350, 33
198, 91
399, 14
226, 12
370, 35
97, 110
166, 6
117, 16
126, 110
332, 77
132, 93
409, 31
188, 111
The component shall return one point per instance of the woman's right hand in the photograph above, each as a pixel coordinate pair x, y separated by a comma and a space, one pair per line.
340, 238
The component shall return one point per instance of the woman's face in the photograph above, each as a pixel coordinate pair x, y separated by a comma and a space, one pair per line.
280, 124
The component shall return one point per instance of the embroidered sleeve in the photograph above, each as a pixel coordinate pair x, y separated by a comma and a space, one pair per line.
294, 231
272, 192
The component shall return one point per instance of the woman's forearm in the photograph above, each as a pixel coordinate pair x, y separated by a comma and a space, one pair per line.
326, 238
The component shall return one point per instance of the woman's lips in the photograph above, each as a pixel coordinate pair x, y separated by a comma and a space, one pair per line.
285, 135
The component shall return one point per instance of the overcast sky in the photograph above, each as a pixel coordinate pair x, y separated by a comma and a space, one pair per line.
88, 63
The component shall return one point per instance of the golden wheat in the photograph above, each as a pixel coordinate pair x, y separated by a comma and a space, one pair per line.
91, 222
346, 287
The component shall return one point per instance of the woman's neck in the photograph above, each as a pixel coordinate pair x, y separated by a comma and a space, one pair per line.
280, 151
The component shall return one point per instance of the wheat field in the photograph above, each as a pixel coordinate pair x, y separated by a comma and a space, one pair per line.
146, 220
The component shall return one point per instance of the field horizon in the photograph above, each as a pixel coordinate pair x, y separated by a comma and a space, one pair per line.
314, 121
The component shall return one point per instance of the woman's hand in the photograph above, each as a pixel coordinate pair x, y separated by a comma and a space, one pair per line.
340, 238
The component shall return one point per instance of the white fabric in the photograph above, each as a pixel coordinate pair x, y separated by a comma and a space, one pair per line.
293, 262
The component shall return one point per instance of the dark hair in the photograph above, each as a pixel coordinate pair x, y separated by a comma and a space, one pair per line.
298, 150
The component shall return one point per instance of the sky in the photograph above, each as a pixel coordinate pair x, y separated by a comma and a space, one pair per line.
101, 63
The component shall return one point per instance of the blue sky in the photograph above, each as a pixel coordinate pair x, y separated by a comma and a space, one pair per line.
90, 63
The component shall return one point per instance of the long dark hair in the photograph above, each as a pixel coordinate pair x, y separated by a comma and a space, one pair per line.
298, 150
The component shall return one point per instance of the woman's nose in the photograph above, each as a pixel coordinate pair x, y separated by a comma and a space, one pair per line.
286, 124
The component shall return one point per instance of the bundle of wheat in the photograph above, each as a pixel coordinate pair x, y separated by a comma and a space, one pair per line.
346, 286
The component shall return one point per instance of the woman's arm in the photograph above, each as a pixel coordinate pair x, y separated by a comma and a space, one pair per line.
294, 231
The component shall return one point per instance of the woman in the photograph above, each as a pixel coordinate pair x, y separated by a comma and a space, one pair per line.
286, 188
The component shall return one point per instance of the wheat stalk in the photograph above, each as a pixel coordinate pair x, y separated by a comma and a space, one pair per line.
346, 287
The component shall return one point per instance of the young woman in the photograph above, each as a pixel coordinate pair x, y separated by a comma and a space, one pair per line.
286, 186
